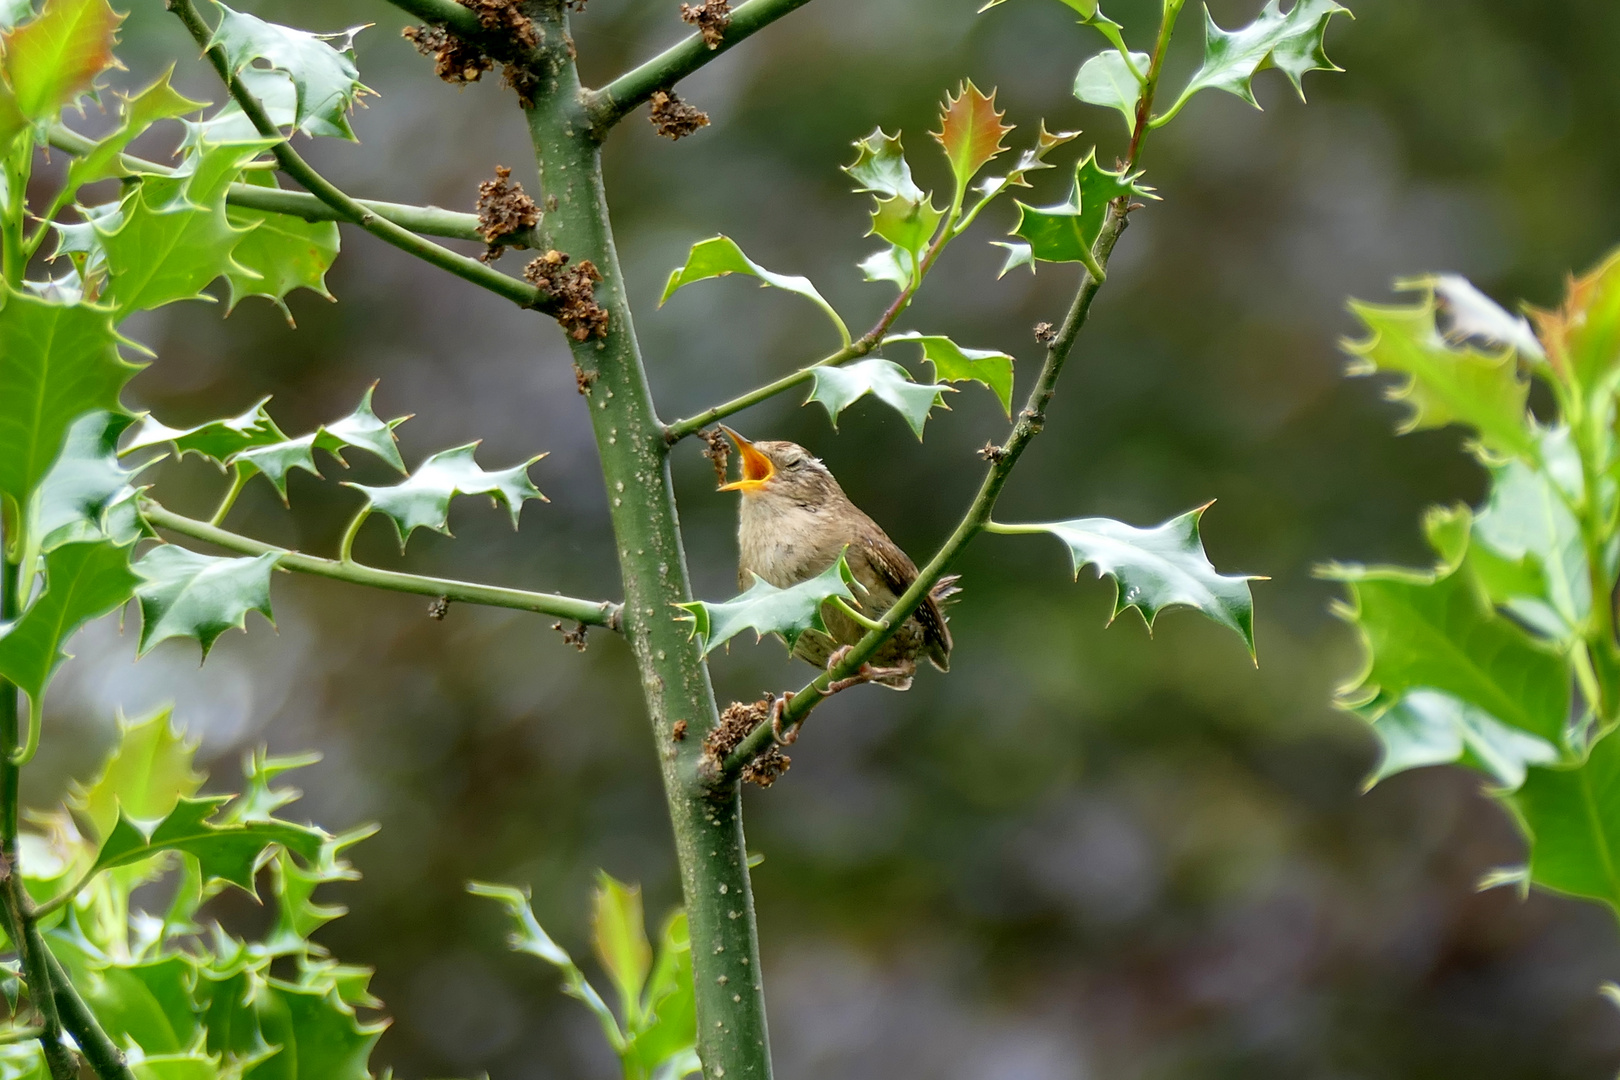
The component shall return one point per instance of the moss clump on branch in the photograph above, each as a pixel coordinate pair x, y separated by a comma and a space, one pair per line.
712, 18
503, 209
572, 293
674, 118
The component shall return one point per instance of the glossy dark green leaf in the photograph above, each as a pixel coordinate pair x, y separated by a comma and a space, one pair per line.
953, 363
184, 594
54, 57
837, 388
765, 609
1428, 631
1291, 43
83, 581
1068, 231
1156, 568
321, 66
147, 1002
320, 1036
1429, 727
1444, 383
720, 256
423, 500
228, 851
217, 440
57, 363
1108, 81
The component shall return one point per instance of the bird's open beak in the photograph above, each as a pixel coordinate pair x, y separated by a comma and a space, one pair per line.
757, 469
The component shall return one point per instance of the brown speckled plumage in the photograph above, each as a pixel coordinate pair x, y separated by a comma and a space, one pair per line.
792, 527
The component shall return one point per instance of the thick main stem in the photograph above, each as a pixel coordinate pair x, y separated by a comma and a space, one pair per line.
731, 1037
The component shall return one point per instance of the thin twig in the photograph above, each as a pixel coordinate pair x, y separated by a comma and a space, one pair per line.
1029, 424
469, 269
592, 613
608, 105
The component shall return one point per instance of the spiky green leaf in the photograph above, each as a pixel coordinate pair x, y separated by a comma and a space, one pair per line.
136, 112
83, 581
279, 253
217, 440
880, 167
1429, 727
1156, 568
1068, 231
953, 363
837, 388
225, 851
766, 609
184, 594
148, 770
57, 362
970, 131
54, 57
423, 499
1031, 160
1292, 43
1571, 817
320, 66
720, 256
86, 495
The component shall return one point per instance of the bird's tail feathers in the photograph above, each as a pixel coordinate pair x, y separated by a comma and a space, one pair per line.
946, 589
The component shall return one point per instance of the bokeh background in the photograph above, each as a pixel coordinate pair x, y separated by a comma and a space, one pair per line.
1085, 852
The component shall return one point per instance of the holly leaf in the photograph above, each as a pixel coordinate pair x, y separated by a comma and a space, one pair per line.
1107, 80
228, 851
765, 609
1429, 727
668, 1028
55, 56
1031, 160
1473, 316
1291, 43
1068, 231
970, 131
174, 236
880, 167
837, 388
83, 581
720, 256
1156, 568
1584, 332
279, 253
423, 499
86, 495
530, 937
619, 936
148, 770
907, 224
217, 440
953, 363
1434, 631
57, 362
324, 78
1526, 518
149, 1003
891, 264
137, 112
320, 1036
1571, 819
184, 594
293, 886
1443, 383
1017, 255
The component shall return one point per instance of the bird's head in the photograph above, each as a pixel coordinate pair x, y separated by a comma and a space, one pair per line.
780, 470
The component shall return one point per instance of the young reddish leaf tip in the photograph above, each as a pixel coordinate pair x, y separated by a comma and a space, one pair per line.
970, 130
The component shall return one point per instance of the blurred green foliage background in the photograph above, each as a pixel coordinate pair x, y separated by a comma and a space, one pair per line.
1085, 852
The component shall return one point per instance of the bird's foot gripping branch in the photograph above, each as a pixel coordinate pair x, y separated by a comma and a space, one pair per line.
84, 528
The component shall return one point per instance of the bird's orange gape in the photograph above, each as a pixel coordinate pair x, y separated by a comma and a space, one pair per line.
757, 469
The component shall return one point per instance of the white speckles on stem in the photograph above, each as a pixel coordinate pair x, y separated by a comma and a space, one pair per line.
722, 980
724, 888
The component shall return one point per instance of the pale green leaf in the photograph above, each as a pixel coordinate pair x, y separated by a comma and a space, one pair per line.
325, 78
1444, 383
907, 224
1031, 160
184, 594
279, 253
423, 499
1156, 568
1291, 43
619, 936
720, 256
1471, 315
147, 772
1525, 517
1427, 631
86, 495
1017, 255
953, 363
668, 1028
765, 609
1429, 727
217, 440
1571, 818
1107, 80
891, 264
880, 167
837, 388
137, 112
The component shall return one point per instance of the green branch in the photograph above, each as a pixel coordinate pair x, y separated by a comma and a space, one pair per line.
446, 13
428, 220
591, 613
469, 269
607, 106
1029, 424
106, 1060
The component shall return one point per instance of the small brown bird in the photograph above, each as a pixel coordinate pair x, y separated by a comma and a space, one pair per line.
793, 523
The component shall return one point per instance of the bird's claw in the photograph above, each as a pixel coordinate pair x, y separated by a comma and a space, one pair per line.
834, 662
778, 706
